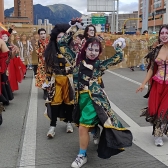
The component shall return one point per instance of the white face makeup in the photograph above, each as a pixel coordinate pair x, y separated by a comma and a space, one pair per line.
164, 35
60, 35
91, 32
5, 37
42, 35
92, 51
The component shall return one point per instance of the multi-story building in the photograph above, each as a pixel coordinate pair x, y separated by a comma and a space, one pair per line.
23, 12
156, 14
24, 8
2, 11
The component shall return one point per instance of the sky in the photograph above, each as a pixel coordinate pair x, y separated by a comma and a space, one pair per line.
125, 6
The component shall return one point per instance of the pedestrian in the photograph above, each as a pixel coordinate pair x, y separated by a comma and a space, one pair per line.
5, 54
92, 106
157, 111
59, 87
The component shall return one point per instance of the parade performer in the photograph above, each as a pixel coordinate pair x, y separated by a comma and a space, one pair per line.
40, 47
59, 82
16, 69
90, 31
5, 54
156, 112
5, 84
92, 106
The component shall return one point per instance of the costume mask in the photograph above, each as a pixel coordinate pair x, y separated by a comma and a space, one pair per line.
92, 51
60, 35
91, 32
5, 37
164, 35
42, 35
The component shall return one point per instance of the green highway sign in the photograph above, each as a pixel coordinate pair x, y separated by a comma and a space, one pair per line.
98, 20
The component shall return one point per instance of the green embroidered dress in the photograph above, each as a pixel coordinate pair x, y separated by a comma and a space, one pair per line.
93, 101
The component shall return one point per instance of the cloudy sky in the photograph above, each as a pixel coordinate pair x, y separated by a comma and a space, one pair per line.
81, 5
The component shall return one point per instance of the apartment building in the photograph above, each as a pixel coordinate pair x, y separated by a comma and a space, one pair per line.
157, 15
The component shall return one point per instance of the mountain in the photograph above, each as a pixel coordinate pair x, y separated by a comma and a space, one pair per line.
58, 13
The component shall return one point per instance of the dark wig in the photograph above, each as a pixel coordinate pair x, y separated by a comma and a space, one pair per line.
52, 48
42, 29
92, 40
164, 26
86, 31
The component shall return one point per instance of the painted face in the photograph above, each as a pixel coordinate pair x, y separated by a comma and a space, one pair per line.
60, 35
164, 35
5, 37
92, 51
91, 32
42, 35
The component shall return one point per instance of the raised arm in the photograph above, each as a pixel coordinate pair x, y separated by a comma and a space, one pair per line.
63, 44
114, 60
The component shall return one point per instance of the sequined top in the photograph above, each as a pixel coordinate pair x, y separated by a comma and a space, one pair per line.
162, 72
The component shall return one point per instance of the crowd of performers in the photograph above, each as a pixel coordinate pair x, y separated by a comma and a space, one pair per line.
70, 74
68, 70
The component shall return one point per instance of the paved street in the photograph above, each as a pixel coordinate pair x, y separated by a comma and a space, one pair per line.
23, 141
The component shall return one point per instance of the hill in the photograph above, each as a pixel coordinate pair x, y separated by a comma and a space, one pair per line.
57, 13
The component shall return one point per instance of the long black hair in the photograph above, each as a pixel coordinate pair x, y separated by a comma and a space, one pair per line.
52, 48
87, 29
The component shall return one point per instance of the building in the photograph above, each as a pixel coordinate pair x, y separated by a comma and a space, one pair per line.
128, 21
156, 14
2, 11
23, 12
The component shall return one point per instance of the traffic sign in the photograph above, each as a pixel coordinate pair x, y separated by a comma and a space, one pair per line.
98, 20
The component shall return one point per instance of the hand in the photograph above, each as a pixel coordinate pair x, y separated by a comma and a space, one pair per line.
14, 49
12, 26
141, 88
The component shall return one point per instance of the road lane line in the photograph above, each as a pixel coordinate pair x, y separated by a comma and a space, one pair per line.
128, 79
142, 136
28, 152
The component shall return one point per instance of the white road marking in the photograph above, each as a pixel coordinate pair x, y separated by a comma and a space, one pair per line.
124, 77
28, 153
142, 136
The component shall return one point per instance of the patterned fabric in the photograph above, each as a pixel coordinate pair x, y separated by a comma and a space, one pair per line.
157, 111
160, 76
41, 74
97, 94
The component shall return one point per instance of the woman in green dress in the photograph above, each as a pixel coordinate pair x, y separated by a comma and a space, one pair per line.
92, 104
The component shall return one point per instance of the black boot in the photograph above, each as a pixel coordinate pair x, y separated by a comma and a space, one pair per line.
45, 95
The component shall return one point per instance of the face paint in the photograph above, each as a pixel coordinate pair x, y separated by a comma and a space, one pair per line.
91, 32
164, 35
5, 37
42, 35
60, 35
92, 51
